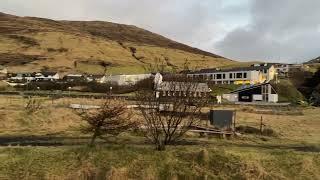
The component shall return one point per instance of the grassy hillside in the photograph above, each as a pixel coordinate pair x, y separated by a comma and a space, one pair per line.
29, 44
288, 92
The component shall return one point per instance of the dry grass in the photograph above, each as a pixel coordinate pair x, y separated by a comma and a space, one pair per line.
293, 154
91, 48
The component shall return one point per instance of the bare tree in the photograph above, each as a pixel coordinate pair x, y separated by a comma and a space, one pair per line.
157, 66
112, 118
171, 110
33, 105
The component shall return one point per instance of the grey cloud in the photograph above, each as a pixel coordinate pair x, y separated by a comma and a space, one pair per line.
285, 30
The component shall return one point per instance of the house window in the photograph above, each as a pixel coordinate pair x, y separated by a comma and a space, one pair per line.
244, 75
224, 76
230, 75
239, 75
246, 97
219, 76
211, 77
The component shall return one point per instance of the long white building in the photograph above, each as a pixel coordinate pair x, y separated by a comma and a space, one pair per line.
254, 74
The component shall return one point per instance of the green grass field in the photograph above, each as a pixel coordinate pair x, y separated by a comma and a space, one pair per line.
48, 145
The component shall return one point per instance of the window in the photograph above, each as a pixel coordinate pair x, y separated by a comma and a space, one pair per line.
245, 75
211, 76
230, 75
219, 76
246, 97
224, 76
239, 75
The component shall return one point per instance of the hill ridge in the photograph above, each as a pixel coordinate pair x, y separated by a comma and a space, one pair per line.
119, 45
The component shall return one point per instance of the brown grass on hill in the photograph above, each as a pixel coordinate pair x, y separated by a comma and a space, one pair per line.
63, 43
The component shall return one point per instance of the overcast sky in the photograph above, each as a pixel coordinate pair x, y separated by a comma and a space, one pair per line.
272, 30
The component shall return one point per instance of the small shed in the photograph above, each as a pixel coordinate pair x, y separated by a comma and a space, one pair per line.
222, 119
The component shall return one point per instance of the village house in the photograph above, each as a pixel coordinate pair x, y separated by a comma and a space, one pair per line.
179, 89
253, 93
123, 80
94, 78
22, 76
3, 72
286, 70
75, 78
255, 74
182, 89
46, 76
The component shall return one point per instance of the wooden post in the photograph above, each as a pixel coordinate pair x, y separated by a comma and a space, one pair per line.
261, 124
234, 121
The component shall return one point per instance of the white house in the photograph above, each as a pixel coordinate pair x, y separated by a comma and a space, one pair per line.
94, 78
284, 70
46, 76
21, 77
3, 72
122, 80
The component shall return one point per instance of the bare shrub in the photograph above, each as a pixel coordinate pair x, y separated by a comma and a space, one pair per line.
33, 105
112, 118
167, 119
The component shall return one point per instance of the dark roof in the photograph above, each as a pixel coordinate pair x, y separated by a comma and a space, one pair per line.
251, 68
48, 73
248, 87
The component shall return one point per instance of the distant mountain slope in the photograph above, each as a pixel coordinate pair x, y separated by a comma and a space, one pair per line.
315, 60
127, 33
30, 43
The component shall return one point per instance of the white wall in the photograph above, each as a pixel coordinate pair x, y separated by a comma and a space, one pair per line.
230, 97
126, 79
273, 98
252, 76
